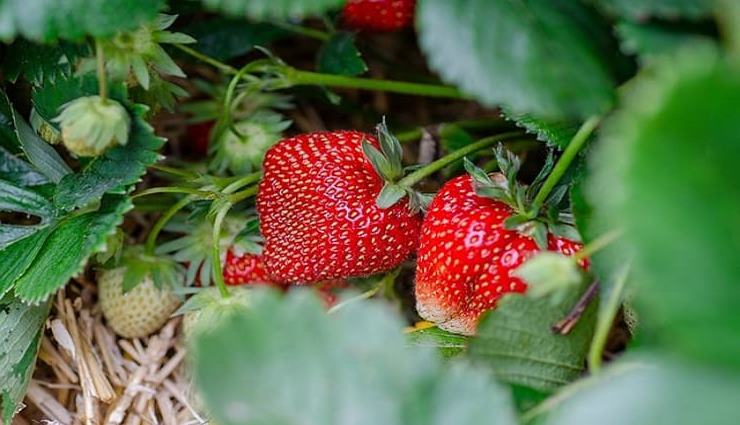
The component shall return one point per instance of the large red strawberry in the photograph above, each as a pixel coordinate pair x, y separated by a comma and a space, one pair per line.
379, 15
318, 211
467, 253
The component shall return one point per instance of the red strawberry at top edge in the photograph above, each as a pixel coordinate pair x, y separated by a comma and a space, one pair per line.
318, 212
379, 15
466, 256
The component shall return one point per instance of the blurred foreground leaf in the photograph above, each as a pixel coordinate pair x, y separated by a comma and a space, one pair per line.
287, 362
666, 172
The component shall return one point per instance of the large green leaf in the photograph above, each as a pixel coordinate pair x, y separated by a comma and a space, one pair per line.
532, 56
350, 367
339, 55
42, 20
21, 328
517, 342
655, 391
43, 157
273, 9
224, 38
17, 171
40, 62
16, 199
666, 172
16, 258
556, 134
656, 39
448, 344
65, 251
640, 10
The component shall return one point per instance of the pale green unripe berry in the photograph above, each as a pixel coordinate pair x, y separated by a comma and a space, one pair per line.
91, 125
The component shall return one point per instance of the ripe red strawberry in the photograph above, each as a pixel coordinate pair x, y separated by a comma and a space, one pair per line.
379, 15
467, 255
318, 212
244, 269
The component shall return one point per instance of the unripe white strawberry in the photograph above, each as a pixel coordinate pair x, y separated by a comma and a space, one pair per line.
138, 312
90, 125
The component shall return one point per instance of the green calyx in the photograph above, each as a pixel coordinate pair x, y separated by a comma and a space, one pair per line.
90, 125
240, 147
504, 187
138, 57
164, 271
387, 163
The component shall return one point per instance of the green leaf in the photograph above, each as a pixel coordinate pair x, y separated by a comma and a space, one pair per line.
38, 62
532, 56
641, 10
355, 364
446, 343
653, 391
666, 172
655, 39
273, 9
19, 172
116, 170
16, 258
390, 195
43, 157
77, 237
21, 328
73, 19
19, 200
224, 39
556, 134
517, 342
340, 56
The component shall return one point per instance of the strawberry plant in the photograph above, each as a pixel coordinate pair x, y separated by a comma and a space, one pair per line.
370, 212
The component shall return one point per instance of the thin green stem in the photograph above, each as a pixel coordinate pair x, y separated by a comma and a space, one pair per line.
241, 182
207, 59
431, 168
598, 244
575, 145
244, 194
298, 77
151, 239
363, 296
308, 32
102, 77
202, 194
218, 276
172, 170
604, 322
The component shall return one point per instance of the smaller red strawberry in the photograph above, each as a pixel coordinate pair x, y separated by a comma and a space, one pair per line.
473, 238
244, 269
379, 15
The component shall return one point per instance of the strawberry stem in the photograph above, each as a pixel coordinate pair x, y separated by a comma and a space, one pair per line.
218, 276
102, 79
597, 244
308, 32
570, 152
151, 239
607, 313
242, 195
294, 76
298, 77
202, 194
431, 168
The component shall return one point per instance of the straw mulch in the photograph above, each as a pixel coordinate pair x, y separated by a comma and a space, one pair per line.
87, 375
